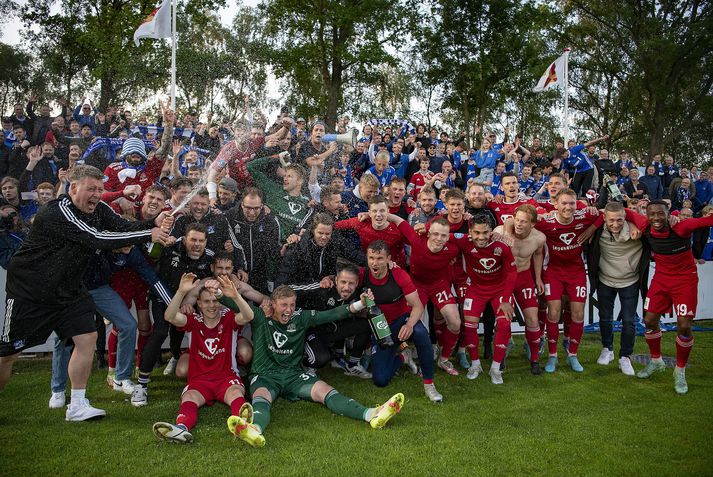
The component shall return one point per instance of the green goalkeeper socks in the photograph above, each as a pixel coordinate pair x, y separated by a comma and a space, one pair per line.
261, 413
344, 406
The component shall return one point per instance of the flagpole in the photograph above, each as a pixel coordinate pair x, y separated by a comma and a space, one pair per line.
566, 96
173, 55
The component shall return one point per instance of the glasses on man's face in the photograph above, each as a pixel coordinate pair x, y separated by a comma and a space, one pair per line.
143, 124
251, 209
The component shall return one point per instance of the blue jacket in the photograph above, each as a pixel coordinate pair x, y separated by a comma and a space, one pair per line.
653, 184
9, 244
704, 191
83, 119
486, 161
578, 159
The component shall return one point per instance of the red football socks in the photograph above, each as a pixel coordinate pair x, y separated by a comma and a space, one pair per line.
187, 414
447, 340
553, 334
576, 330
470, 339
236, 405
684, 345
502, 337
653, 339
532, 335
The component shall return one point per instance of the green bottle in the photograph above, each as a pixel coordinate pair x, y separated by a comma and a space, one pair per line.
379, 325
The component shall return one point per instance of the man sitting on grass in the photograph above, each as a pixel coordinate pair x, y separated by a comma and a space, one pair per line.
278, 341
211, 374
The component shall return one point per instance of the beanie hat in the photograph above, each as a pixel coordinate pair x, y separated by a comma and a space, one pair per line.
133, 145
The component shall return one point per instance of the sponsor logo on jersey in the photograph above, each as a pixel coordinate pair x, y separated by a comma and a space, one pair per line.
331, 301
567, 237
211, 344
279, 338
294, 207
579, 227
488, 263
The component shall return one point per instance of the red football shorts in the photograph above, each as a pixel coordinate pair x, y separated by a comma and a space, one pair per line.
131, 290
682, 295
477, 298
525, 291
214, 390
572, 283
439, 293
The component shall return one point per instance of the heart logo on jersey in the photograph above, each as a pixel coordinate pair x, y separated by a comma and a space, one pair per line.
212, 344
294, 207
568, 237
279, 339
488, 263
504, 217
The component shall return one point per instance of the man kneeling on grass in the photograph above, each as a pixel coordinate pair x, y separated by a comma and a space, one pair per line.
211, 371
278, 341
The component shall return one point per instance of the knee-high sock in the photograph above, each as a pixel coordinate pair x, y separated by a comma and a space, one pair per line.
566, 322
344, 406
236, 404
187, 414
576, 330
532, 335
439, 328
143, 338
261, 413
653, 339
111, 345
447, 340
502, 337
470, 339
684, 345
553, 334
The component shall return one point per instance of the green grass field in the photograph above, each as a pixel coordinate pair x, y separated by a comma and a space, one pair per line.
596, 423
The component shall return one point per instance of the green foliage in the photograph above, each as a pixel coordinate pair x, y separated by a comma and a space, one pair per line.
595, 423
13, 75
646, 72
323, 47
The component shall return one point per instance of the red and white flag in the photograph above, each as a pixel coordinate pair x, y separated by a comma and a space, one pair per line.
157, 25
554, 75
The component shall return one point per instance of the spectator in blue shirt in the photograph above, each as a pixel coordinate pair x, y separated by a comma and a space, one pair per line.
704, 189
84, 114
652, 181
579, 162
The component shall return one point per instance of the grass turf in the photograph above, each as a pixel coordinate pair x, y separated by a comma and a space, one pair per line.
596, 423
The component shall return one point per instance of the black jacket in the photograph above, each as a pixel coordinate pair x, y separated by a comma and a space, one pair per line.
174, 262
260, 241
305, 263
49, 265
42, 172
218, 234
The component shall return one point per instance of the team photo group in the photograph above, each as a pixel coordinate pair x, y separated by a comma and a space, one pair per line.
258, 252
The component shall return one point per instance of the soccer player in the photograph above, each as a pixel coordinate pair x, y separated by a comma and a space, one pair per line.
565, 273
279, 345
491, 268
505, 209
397, 297
211, 371
431, 257
675, 282
528, 249
377, 227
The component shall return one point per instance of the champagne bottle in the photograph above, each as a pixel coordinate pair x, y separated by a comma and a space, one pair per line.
614, 191
379, 325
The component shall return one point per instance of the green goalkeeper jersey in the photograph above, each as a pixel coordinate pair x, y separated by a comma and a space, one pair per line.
289, 210
278, 348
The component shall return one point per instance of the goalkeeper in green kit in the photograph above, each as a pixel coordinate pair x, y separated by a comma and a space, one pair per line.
278, 342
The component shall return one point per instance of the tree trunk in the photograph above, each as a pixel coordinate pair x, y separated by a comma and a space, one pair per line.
334, 92
106, 90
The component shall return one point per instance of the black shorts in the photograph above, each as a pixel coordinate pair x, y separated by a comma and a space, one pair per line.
29, 324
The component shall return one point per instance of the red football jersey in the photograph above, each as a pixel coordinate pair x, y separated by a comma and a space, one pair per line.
418, 180
212, 351
397, 280
491, 267
565, 252
505, 210
367, 234
427, 266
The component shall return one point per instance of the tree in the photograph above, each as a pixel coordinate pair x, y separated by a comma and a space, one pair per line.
13, 79
655, 70
323, 47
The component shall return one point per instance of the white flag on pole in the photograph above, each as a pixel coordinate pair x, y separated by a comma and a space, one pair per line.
554, 75
157, 25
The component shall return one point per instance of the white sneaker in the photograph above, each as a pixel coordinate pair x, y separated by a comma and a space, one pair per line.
57, 400
125, 385
81, 410
496, 376
432, 393
171, 433
474, 370
408, 361
605, 357
626, 367
140, 396
170, 367
358, 371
